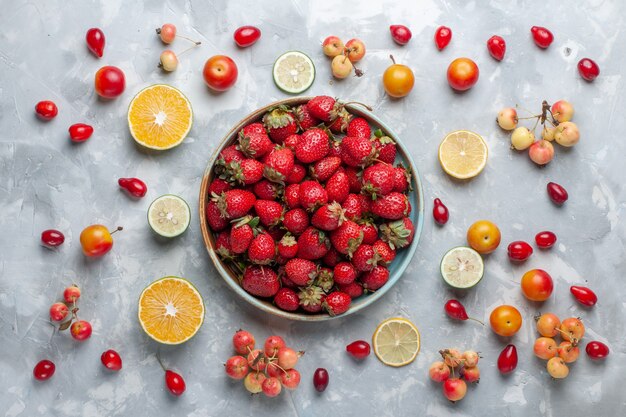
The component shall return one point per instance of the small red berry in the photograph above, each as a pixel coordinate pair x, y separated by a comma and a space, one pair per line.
80, 330
95, 41
320, 379
44, 370
80, 132
588, 69
134, 186
46, 110
597, 350
542, 36
497, 47
400, 34
545, 240
359, 349
174, 382
557, 193
519, 251
246, 36
111, 360
440, 212
52, 238
443, 36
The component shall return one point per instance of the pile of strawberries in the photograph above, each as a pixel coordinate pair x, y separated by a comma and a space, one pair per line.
308, 207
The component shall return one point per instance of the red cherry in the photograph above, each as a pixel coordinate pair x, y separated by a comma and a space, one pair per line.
588, 69
46, 110
545, 240
134, 186
320, 379
44, 370
246, 36
507, 361
174, 382
359, 349
58, 312
455, 310
109, 82
80, 132
519, 251
597, 350
497, 47
400, 34
584, 295
95, 41
440, 212
81, 330
71, 294
557, 193
542, 36
443, 36
52, 238
111, 360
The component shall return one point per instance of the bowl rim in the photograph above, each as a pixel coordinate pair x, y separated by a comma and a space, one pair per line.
264, 305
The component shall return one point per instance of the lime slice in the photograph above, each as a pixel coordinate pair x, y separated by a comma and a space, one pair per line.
294, 72
462, 267
169, 215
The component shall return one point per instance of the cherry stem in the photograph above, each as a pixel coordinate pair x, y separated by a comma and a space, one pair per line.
392, 59
189, 39
472, 318
158, 356
573, 340
119, 229
189, 49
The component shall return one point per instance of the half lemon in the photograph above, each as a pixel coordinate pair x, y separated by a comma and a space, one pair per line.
463, 154
396, 342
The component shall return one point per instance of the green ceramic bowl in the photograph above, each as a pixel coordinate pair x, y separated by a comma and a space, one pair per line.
397, 267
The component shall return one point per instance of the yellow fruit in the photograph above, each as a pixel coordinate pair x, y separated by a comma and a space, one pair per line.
171, 310
159, 117
463, 154
396, 342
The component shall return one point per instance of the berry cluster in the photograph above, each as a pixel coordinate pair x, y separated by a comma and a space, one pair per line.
454, 370
344, 56
60, 313
264, 370
571, 330
168, 61
308, 218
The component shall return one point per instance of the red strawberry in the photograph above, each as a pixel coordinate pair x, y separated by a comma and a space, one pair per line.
291, 141
254, 145
375, 278
392, 206
321, 107
223, 247
401, 179
296, 221
301, 271
280, 123
366, 204
352, 207
357, 151
288, 247
287, 299
337, 302
218, 186
364, 258
246, 172
359, 128
353, 289
297, 174
260, 281
253, 128
214, 218
328, 217
233, 204
312, 244
262, 249
337, 187
242, 233
270, 212
345, 273
276, 233
398, 234
292, 195
311, 299
312, 195
354, 179
266, 190
230, 154
386, 147
278, 164
332, 258
325, 168
335, 148
340, 121
286, 282
325, 279
370, 233
313, 146
384, 251
347, 238
304, 117
378, 179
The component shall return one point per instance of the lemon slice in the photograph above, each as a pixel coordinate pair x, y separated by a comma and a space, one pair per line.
396, 342
463, 154
294, 72
171, 310
169, 215
462, 267
159, 117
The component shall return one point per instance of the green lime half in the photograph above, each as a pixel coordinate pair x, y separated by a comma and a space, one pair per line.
293, 72
169, 215
462, 267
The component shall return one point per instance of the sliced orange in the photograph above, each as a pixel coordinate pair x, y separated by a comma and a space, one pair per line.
171, 310
159, 117
463, 154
